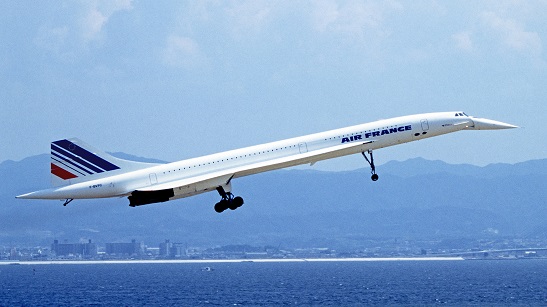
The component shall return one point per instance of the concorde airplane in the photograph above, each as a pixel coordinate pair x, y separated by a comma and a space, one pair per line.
79, 171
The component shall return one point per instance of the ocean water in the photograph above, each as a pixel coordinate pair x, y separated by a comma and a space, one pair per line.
484, 282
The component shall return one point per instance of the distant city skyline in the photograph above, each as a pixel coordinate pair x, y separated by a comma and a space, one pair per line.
506, 248
176, 80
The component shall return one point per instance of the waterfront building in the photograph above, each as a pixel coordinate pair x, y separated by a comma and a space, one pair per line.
85, 250
125, 249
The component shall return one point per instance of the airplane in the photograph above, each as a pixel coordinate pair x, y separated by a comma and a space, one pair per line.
79, 171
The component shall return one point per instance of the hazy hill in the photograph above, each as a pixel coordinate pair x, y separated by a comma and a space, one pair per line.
414, 199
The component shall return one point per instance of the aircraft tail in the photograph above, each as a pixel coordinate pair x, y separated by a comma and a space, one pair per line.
74, 161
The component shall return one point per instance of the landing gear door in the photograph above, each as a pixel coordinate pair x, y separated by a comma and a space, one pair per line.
425, 125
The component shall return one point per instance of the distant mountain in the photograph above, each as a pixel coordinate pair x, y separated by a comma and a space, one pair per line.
414, 199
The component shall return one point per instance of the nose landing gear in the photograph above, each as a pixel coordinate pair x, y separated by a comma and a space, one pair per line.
370, 161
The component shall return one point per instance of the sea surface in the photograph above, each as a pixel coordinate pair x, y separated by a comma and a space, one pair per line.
479, 282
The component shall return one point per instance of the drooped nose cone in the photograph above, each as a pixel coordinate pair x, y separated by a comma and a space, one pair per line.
488, 124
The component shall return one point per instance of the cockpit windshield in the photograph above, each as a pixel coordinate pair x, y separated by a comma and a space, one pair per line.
461, 114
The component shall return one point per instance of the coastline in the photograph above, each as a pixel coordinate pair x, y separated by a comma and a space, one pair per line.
205, 261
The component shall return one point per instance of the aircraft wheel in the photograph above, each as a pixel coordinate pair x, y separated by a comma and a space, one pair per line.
232, 205
218, 208
374, 177
237, 201
221, 206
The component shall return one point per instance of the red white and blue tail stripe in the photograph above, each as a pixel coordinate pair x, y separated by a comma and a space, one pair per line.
74, 161
69, 161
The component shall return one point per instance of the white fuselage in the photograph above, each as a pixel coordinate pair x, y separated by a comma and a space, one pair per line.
207, 172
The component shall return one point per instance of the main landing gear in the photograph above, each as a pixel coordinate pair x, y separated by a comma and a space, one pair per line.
228, 201
370, 161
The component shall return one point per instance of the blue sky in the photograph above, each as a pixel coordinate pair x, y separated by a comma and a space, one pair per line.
174, 80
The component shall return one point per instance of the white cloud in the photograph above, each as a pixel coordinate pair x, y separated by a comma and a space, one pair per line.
463, 41
92, 24
183, 52
513, 35
324, 14
249, 16
74, 26
351, 17
97, 15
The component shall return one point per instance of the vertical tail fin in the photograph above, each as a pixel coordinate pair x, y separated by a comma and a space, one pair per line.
75, 161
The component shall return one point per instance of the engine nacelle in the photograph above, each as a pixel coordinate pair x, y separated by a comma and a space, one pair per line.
139, 198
